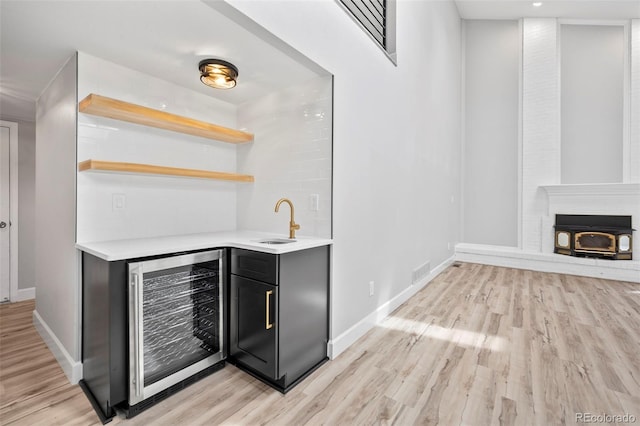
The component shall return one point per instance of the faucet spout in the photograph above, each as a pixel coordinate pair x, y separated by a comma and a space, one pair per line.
293, 226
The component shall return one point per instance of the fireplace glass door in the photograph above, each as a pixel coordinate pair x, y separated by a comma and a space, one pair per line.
596, 241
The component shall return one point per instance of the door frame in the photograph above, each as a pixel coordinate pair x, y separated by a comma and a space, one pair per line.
13, 208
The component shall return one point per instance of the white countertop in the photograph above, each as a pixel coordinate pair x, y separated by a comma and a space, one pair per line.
142, 247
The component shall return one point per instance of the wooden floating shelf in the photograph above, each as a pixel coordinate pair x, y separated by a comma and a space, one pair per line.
125, 111
112, 166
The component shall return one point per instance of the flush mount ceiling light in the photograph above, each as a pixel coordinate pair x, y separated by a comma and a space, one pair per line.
537, 4
218, 73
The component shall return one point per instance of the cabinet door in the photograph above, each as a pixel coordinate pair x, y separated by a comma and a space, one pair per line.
253, 325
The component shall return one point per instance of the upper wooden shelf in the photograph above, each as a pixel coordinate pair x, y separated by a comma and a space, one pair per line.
112, 166
125, 111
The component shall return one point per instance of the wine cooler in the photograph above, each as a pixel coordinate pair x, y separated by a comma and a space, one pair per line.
175, 321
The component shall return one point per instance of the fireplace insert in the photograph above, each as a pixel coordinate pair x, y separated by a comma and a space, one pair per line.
607, 237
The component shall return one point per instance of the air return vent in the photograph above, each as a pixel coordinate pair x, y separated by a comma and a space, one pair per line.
421, 272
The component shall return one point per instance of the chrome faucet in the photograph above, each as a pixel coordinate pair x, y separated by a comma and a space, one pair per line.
293, 226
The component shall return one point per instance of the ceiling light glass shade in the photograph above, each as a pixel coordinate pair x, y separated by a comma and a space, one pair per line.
218, 73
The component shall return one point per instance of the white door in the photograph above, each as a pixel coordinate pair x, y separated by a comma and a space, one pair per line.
5, 285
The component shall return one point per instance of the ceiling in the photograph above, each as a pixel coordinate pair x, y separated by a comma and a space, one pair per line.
168, 38
574, 9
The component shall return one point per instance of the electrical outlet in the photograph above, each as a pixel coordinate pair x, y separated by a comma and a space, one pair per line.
371, 288
314, 202
118, 201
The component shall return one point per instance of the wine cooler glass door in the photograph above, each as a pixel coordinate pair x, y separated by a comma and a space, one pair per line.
176, 312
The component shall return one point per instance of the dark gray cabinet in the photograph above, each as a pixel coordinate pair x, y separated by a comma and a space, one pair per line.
104, 329
253, 307
279, 316
277, 326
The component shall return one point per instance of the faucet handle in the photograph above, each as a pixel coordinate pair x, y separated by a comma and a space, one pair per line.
292, 229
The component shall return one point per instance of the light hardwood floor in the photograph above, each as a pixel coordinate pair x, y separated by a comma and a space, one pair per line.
479, 345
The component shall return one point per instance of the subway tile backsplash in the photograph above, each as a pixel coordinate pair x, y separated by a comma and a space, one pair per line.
291, 157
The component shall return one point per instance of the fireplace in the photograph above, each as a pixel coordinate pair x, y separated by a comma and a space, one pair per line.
607, 237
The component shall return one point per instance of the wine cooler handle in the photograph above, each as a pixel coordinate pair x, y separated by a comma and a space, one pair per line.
137, 333
268, 297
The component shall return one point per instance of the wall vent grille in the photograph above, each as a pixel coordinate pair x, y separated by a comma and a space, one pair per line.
421, 272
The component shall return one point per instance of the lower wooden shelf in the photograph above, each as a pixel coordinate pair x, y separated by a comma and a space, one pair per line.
112, 166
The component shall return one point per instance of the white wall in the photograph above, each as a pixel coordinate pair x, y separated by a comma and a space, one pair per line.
56, 270
634, 143
154, 205
592, 96
26, 203
491, 81
396, 145
290, 157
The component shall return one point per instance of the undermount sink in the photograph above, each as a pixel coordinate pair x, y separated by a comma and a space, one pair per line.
277, 241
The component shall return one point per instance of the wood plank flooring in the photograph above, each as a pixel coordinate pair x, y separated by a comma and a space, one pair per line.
480, 345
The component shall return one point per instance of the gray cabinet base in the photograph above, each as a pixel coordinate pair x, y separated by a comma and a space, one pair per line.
104, 417
279, 385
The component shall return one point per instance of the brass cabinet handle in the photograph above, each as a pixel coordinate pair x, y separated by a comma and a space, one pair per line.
267, 325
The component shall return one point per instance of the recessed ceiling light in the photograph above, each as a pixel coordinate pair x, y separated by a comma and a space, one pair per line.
218, 73
537, 4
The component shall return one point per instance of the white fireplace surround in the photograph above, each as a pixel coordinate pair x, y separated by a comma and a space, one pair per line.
597, 199
620, 199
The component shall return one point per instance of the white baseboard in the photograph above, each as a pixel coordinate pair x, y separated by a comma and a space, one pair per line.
72, 369
511, 257
26, 294
339, 344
